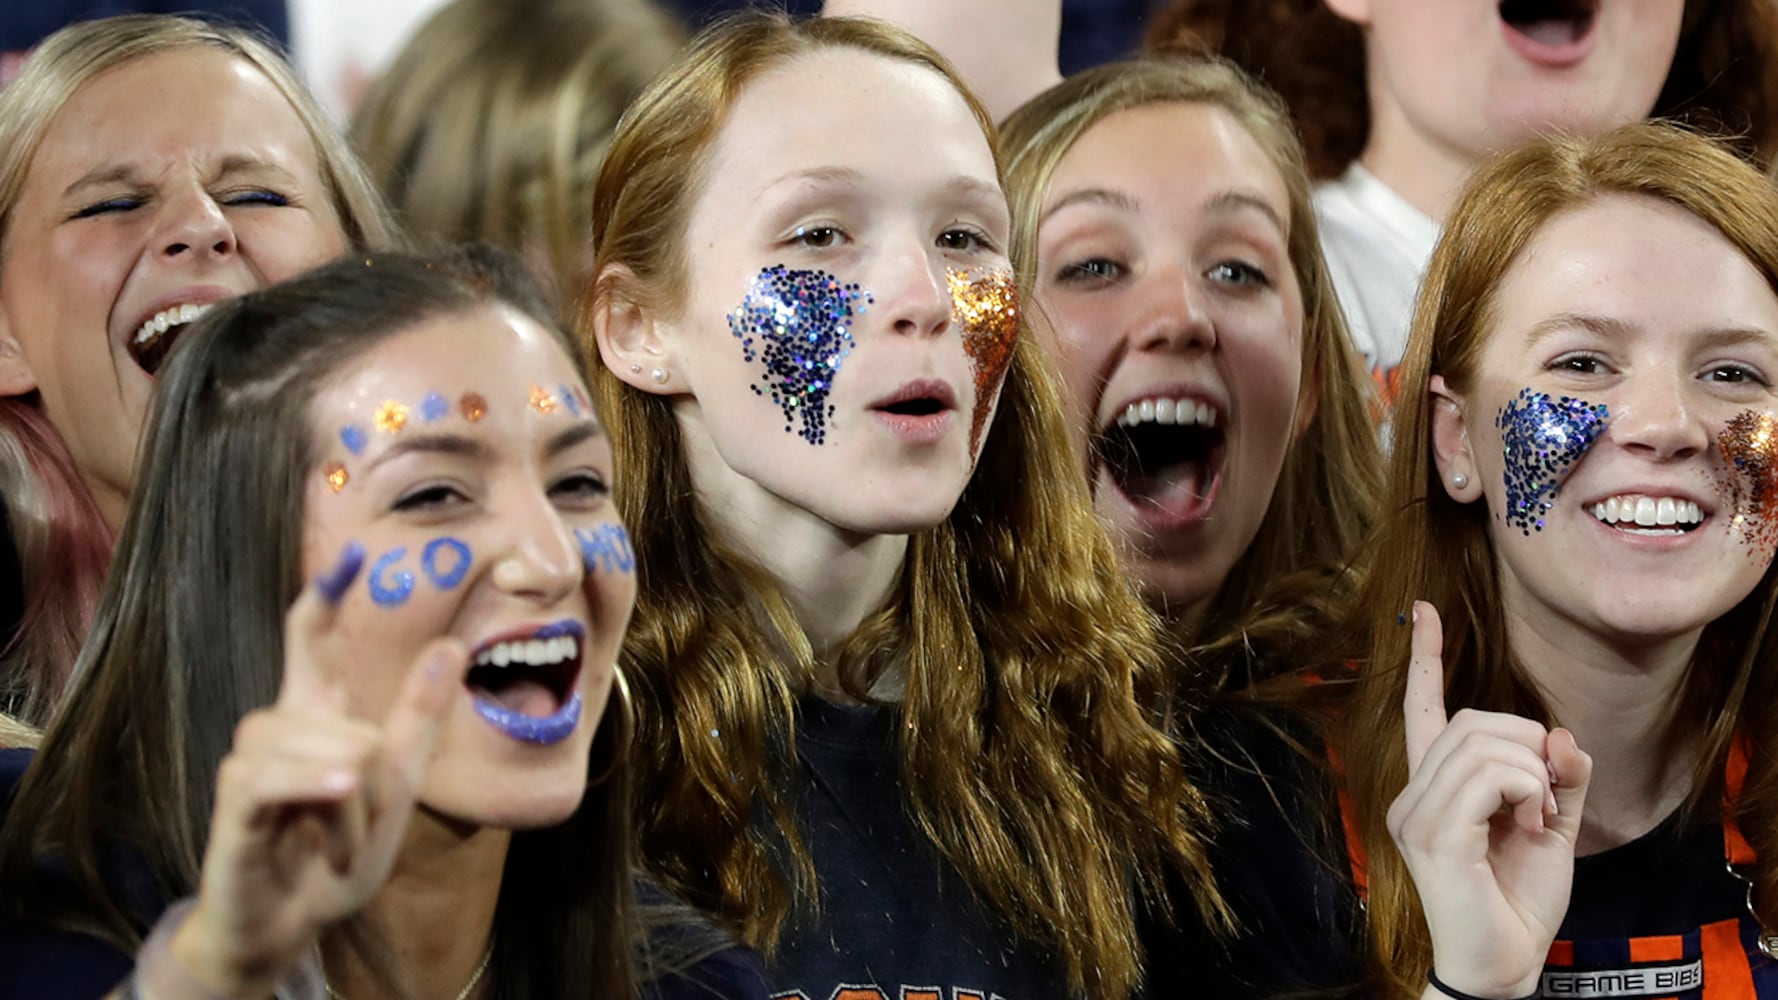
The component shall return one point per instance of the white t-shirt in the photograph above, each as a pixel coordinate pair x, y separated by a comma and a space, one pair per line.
1377, 247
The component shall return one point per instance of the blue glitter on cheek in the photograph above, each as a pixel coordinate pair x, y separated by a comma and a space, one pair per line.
460, 560
1542, 437
434, 407
797, 325
352, 436
390, 590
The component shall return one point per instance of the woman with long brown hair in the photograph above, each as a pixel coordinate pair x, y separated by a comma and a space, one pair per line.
901, 712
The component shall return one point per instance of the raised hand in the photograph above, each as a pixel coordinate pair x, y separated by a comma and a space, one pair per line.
1487, 825
311, 802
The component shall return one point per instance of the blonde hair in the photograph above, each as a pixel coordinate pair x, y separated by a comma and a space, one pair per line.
1032, 736
15, 734
492, 122
1434, 548
63, 542
1328, 488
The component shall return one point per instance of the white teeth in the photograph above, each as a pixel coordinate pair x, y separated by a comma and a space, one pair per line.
168, 318
1182, 412
529, 652
1648, 512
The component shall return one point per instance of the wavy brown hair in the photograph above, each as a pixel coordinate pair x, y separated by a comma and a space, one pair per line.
1431, 547
1033, 742
1724, 77
1332, 476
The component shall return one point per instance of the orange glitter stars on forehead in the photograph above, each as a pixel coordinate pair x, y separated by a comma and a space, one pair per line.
390, 417
987, 307
335, 473
472, 406
542, 400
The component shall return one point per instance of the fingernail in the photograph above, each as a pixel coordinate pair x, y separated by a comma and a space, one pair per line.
1416, 613
1549, 802
339, 781
334, 582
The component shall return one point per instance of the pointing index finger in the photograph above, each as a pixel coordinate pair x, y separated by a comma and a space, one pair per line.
1423, 705
305, 677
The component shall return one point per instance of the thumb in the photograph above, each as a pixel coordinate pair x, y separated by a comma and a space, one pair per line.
1571, 769
411, 729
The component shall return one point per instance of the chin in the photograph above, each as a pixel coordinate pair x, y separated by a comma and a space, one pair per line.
504, 799
1176, 590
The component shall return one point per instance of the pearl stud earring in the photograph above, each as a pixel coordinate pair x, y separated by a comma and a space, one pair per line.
1459, 480
659, 375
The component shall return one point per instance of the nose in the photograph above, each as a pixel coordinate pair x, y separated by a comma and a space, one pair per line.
918, 295
1652, 415
540, 559
1173, 314
192, 224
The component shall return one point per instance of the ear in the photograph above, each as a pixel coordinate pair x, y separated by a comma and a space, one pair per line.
1356, 11
630, 334
1450, 443
16, 376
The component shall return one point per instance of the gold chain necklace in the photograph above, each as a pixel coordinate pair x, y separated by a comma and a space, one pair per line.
463, 994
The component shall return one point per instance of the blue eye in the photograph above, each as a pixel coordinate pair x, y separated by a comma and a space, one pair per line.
1239, 273
1091, 272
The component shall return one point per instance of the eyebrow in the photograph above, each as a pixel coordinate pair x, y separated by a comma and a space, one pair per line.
126, 173
1236, 201
1604, 326
839, 176
1091, 196
467, 447
586, 430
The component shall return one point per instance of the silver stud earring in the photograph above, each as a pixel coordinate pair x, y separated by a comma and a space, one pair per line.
659, 375
635, 369
1459, 480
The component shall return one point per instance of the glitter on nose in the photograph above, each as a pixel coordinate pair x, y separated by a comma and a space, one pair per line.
797, 325
1543, 436
1750, 477
987, 307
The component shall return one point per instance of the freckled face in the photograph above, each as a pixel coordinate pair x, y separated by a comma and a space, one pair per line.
820, 362
478, 488
1634, 305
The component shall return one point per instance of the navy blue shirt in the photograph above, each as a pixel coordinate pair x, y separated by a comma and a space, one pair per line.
895, 920
24, 23
60, 965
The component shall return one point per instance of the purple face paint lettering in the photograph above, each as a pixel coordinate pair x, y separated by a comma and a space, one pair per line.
353, 437
797, 324
606, 549
459, 559
434, 408
1749, 448
1543, 436
334, 583
390, 590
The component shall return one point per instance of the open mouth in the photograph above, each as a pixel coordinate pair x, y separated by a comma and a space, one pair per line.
1550, 23
1637, 514
154, 338
1165, 453
527, 685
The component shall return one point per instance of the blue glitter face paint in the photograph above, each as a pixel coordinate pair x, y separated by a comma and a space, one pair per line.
570, 399
606, 549
798, 325
390, 590
455, 554
434, 408
1543, 436
352, 436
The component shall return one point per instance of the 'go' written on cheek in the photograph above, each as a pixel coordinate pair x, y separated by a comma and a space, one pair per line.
445, 561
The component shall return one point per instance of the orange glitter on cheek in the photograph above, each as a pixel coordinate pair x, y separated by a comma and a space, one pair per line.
1749, 447
336, 476
390, 417
472, 406
542, 401
987, 307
